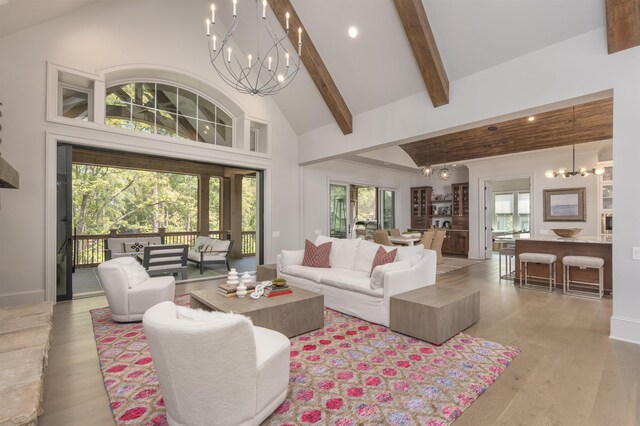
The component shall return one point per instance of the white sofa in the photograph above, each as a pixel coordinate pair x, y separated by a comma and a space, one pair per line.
216, 368
348, 286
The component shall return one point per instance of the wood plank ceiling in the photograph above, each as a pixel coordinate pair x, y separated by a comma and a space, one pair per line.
593, 121
314, 65
623, 24
425, 50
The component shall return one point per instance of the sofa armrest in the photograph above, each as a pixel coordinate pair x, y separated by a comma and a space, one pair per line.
421, 274
288, 258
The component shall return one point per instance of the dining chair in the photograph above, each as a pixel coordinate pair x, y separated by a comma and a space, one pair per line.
427, 238
380, 236
394, 232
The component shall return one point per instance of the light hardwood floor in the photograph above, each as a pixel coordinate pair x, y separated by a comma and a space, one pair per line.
568, 373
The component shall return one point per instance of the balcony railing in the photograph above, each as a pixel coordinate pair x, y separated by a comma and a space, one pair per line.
89, 249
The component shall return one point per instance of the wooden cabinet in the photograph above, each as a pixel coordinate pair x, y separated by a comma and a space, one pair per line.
457, 239
420, 207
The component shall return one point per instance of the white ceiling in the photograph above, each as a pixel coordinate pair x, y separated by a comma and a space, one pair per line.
16, 15
378, 67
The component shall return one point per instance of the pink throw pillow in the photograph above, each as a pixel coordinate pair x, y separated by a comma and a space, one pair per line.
383, 257
316, 256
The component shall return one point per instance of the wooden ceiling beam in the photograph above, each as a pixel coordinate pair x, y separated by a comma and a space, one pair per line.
623, 24
314, 65
425, 50
593, 122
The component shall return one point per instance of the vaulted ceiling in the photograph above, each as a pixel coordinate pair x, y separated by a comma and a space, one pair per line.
378, 67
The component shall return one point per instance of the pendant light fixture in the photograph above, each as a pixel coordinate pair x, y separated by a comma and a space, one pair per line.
427, 170
444, 172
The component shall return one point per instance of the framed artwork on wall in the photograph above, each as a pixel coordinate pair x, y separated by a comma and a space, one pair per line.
564, 205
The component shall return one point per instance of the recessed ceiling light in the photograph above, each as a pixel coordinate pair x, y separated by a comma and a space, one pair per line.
353, 32
531, 118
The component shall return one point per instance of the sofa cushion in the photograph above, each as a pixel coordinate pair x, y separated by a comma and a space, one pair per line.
352, 281
306, 272
221, 245
343, 251
383, 257
409, 253
316, 256
291, 257
365, 254
377, 276
300, 282
135, 247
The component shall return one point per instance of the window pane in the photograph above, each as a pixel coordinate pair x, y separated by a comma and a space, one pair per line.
187, 127
144, 94
253, 140
223, 118
523, 203
187, 102
123, 123
504, 204
206, 132
166, 123
206, 110
223, 135
167, 98
75, 104
119, 110
338, 211
144, 119
119, 94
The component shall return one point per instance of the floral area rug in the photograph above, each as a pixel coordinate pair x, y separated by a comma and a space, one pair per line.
351, 372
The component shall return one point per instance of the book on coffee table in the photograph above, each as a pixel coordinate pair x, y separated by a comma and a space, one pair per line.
231, 288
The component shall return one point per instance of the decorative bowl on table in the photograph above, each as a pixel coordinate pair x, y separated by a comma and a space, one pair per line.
416, 234
566, 232
279, 282
406, 235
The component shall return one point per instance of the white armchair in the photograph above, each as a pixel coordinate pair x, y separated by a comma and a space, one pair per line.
129, 289
216, 368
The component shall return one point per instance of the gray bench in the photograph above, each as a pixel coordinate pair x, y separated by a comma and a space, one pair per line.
435, 313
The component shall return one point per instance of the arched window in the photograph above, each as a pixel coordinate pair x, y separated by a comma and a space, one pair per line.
167, 110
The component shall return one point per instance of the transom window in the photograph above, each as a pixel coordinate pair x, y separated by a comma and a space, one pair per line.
167, 110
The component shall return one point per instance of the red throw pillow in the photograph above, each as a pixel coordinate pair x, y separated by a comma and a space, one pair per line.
316, 256
382, 257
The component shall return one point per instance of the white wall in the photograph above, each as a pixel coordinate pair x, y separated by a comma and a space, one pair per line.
93, 38
534, 164
315, 190
544, 79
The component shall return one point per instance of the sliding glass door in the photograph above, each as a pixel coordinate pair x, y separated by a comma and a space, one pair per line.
64, 236
387, 208
338, 210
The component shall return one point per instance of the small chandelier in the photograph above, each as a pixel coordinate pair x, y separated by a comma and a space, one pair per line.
583, 171
270, 71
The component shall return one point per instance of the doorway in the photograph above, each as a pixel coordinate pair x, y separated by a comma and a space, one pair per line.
356, 210
102, 194
507, 212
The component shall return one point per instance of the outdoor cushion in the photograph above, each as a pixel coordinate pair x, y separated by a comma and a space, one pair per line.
116, 244
221, 245
195, 256
135, 247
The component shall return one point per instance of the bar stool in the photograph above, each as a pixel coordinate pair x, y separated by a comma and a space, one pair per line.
541, 258
583, 262
509, 254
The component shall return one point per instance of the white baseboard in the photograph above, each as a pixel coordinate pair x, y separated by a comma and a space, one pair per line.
21, 297
625, 329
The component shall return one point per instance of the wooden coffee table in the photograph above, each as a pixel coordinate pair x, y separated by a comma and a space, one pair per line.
290, 314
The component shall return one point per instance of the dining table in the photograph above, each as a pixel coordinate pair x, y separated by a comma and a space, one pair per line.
405, 241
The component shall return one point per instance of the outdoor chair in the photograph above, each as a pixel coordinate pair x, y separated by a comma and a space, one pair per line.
209, 251
167, 259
